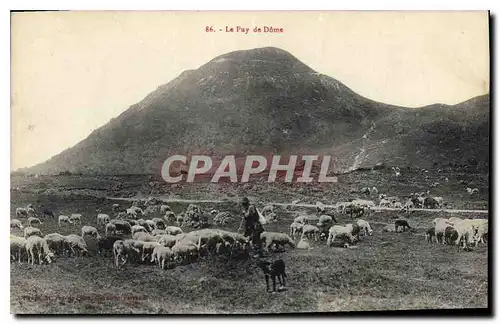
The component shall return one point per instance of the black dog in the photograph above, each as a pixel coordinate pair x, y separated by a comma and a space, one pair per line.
275, 269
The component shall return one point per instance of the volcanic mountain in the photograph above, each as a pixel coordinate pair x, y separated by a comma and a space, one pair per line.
265, 100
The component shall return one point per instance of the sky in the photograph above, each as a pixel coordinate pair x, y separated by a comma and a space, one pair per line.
71, 72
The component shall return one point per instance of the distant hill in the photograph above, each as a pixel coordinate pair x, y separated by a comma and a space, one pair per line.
265, 100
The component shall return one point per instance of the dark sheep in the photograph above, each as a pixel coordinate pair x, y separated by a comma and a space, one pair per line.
401, 223
106, 244
48, 213
430, 202
122, 226
430, 234
450, 235
273, 270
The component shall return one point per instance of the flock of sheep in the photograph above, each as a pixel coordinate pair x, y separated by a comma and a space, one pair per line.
129, 237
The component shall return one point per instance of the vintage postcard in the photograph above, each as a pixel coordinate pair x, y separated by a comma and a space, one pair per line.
249, 162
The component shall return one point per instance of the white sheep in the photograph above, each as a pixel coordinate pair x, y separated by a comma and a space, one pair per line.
311, 232
144, 237
32, 231
173, 230
110, 229
57, 242
76, 218
103, 219
364, 227
337, 230
137, 229
33, 220
124, 249
17, 247
274, 238
147, 249
161, 255
76, 244
296, 229
16, 223
64, 219
36, 245
90, 230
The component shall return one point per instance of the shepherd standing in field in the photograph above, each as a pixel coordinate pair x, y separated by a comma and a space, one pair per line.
251, 225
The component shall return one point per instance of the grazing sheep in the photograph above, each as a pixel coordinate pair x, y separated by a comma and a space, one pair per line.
90, 230
303, 244
150, 224
302, 219
311, 232
482, 232
320, 207
159, 223
124, 249
164, 209
17, 247
21, 212
354, 229
440, 225
173, 230
185, 251
296, 229
138, 228
158, 232
76, 218
450, 234
134, 212
103, 219
170, 217
16, 223
439, 200
77, 244
57, 243
466, 231
385, 203
147, 250
161, 255
398, 205
278, 239
354, 211
64, 219
110, 229
401, 223
32, 220
47, 213
389, 228
364, 227
32, 231
122, 226
144, 237
430, 202
167, 240
408, 206
106, 244
36, 245
429, 234
276, 269
339, 231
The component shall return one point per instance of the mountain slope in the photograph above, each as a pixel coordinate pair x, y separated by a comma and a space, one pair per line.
266, 101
